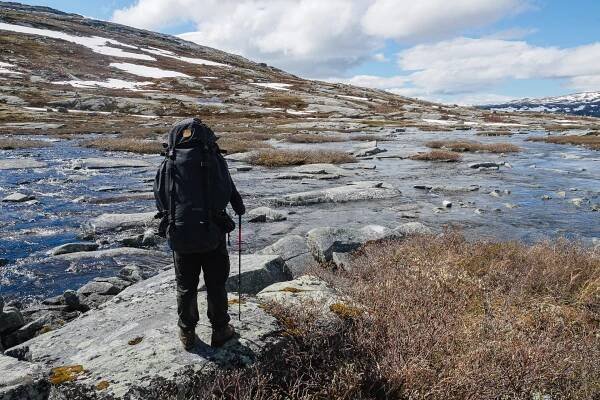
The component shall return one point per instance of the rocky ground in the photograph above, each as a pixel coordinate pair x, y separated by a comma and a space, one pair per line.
87, 286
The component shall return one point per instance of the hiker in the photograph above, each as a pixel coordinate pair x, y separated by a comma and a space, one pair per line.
192, 189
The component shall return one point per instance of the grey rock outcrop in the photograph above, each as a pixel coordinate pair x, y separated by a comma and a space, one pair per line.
107, 222
22, 380
21, 163
258, 271
133, 338
412, 228
266, 214
73, 248
294, 251
11, 318
356, 191
17, 198
302, 291
325, 241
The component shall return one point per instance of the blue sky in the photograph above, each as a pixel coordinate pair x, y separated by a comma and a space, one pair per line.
464, 51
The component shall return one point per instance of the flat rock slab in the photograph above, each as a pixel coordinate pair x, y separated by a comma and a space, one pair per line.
321, 169
356, 191
17, 198
22, 380
266, 214
132, 339
73, 248
99, 163
21, 163
302, 291
106, 222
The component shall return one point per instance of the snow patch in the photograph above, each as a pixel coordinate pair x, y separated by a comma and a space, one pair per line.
148, 72
109, 84
440, 121
5, 69
354, 97
298, 112
170, 54
97, 44
273, 85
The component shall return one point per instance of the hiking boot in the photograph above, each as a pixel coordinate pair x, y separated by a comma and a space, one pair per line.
220, 336
188, 339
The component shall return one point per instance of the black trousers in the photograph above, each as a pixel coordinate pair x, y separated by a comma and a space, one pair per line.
215, 265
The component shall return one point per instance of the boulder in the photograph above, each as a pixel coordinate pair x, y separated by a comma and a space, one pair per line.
321, 169
356, 191
412, 228
241, 157
492, 165
21, 163
22, 380
368, 151
103, 286
73, 248
325, 241
132, 339
107, 162
108, 222
258, 271
27, 331
17, 198
72, 299
266, 214
294, 251
301, 291
11, 319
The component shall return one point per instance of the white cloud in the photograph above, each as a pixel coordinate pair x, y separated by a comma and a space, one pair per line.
380, 57
314, 38
433, 19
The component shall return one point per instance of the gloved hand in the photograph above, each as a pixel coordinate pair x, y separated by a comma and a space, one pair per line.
239, 209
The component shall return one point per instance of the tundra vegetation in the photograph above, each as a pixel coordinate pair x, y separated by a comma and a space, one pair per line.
438, 317
590, 141
472, 146
437, 155
280, 158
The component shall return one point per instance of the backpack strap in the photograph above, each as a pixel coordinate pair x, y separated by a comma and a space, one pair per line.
171, 157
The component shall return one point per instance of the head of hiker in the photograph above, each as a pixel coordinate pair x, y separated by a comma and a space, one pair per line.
192, 190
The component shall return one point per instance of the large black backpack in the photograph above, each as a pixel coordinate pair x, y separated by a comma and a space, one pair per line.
192, 188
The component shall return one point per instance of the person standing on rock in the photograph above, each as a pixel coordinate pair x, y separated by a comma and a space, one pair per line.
192, 189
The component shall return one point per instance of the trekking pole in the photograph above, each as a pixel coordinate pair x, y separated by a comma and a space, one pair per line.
240, 267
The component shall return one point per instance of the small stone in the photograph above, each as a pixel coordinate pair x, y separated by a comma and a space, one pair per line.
131, 273
596, 207
266, 214
577, 202
447, 204
71, 298
546, 197
244, 168
479, 211
562, 194
510, 205
495, 193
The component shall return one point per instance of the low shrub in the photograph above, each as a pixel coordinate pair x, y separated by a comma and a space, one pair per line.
233, 144
440, 318
312, 138
468, 145
368, 138
285, 101
126, 144
437, 155
281, 158
589, 141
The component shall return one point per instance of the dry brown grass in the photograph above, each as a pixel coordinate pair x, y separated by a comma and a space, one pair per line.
495, 133
369, 137
591, 141
284, 101
468, 145
437, 155
313, 138
234, 145
13, 144
437, 318
281, 158
125, 144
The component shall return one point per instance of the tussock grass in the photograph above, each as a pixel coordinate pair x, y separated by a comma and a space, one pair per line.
125, 144
281, 158
234, 145
437, 318
468, 145
285, 101
368, 138
313, 138
495, 133
590, 141
437, 155
13, 144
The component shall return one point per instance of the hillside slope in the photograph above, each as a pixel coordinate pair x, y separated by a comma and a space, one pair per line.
587, 103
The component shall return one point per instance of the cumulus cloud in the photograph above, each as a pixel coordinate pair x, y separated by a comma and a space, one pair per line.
433, 19
314, 38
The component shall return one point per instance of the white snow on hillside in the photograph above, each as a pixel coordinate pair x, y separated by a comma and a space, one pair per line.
353, 97
170, 54
97, 44
109, 84
273, 85
5, 68
148, 72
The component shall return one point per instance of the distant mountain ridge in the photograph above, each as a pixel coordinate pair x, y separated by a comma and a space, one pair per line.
585, 103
